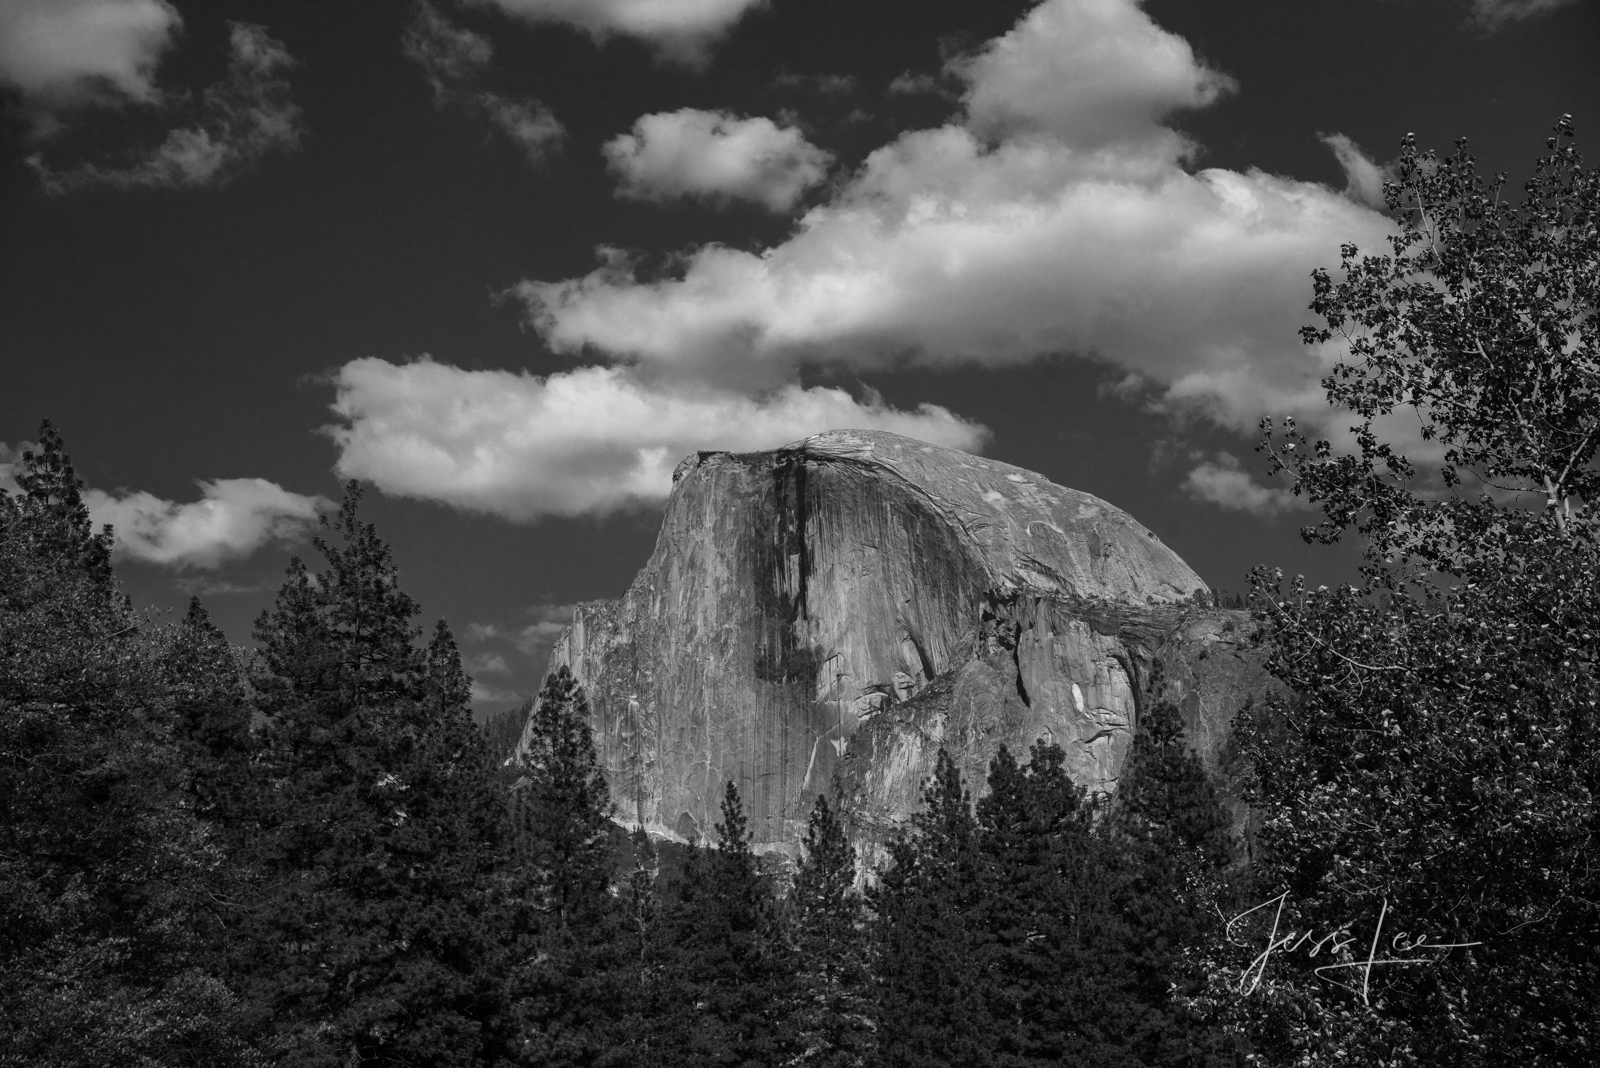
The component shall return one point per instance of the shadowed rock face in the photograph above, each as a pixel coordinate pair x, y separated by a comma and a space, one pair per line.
825, 616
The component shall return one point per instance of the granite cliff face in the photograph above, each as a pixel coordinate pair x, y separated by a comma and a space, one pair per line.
825, 616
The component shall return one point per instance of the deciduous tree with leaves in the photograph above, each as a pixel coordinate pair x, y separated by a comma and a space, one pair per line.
1437, 764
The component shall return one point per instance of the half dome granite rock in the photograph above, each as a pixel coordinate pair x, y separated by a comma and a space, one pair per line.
825, 616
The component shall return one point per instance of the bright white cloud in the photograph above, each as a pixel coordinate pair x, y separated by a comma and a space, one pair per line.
682, 30
584, 442
1077, 231
1494, 14
233, 518
453, 59
1224, 482
717, 156
1091, 72
239, 121
68, 52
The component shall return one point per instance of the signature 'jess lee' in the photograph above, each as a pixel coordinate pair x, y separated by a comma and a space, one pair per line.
1337, 942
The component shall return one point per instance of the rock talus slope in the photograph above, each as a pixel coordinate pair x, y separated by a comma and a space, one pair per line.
824, 616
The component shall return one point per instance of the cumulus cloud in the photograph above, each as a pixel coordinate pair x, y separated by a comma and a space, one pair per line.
1493, 14
1056, 214
589, 441
233, 518
681, 30
454, 60
237, 122
1224, 482
1091, 72
66, 53
1363, 178
716, 156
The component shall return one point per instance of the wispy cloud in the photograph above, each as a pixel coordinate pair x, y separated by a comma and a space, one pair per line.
1495, 14
1224, 482
198, 586
907, 83
484, 694
715, 156
830, 85
1363, 178
679, 30
516, 651
487, 664
536, 639
237, 122
233, 518
455, 59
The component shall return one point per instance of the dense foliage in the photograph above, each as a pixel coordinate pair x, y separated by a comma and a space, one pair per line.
114, 885
1434, 773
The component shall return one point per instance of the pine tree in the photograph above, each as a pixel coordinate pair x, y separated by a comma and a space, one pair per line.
211, 717
386, 837
929, 1008
567, 988
831, 1012
108, 879
503, 730
719, 979
1169, 837
1037, 926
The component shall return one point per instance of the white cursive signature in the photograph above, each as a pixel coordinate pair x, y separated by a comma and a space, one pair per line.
1337, 942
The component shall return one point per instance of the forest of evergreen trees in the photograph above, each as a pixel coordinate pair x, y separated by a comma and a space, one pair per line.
313, 856
310, 855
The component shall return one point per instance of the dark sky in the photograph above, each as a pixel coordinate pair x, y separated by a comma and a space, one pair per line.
1086, 241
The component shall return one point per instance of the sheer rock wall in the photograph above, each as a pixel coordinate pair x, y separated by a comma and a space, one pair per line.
823, 617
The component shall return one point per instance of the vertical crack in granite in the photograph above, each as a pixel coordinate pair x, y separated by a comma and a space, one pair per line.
834, 611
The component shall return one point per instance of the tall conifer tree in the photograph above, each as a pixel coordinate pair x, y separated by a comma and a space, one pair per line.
108, 879
1169, 836
719, 981
929, 1007
830, 1002
568, 925
376, 944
